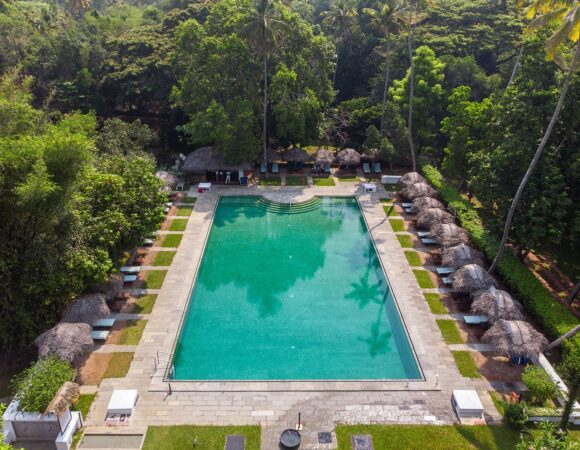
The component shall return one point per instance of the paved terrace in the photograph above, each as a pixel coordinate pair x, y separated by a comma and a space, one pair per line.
275, 405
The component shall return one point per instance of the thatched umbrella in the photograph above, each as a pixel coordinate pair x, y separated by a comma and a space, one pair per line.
411, 178
471, 278
428, 218
67, 393
421, 203
68, 341
415, 190
449, 234
208, 159
515, 338
348, 157
295, 154
86, 309
496, 305
460, 255
323, 156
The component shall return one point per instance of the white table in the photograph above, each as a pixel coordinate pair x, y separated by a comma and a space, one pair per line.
370, 187
204, 186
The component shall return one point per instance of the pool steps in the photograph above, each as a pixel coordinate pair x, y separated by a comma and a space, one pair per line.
276, 207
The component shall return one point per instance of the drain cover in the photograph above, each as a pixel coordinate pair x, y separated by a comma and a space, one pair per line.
324, 438
362, 442
235, 442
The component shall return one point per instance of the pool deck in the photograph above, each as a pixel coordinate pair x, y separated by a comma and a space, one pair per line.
275, 404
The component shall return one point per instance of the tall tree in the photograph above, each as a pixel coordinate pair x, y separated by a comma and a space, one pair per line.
566, 15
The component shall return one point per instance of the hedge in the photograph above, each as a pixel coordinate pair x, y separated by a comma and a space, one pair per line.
537, 300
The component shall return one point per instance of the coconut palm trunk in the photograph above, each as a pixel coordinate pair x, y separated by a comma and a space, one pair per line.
516, 66
336, 66
562, 338
386, 85
265, 118
411, 85
535, 160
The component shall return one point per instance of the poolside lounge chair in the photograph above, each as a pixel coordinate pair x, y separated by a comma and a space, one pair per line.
100, 335
275, 168
104, 323
447, 281
409, 211
263, 168
444, 271
148, 242
166, 210
130, 270
169, 204
476, 320
366, 168
377, 167
327, 168
243, 181
129, 278
423, 234
180, 186
406, 205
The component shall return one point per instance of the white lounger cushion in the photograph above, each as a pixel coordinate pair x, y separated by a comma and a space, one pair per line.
131, 269
122, 401
423, 233
105, 323
475, 320
100, 335
406, 205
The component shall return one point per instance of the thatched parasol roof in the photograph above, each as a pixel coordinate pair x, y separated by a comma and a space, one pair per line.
324, 156
496, 305
67, 393
295, 154
421, 203
515, 338
471, 278
460, 255
349, 157
86, 309
208, 159
68, 341
430, 217
411, 178
449, 234
415, 190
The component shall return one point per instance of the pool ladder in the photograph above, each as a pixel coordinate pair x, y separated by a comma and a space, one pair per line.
162, 360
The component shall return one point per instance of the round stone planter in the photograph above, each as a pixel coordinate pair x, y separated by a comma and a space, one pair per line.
290, 439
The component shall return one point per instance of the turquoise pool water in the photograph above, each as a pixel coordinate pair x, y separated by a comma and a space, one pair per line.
291, 295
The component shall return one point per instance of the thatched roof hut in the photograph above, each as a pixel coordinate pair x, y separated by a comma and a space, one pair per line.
323, 156
68, 341
421, 203
295, 154
411, 178
67, 393
208, 159
471, 278
430, 217
449, 234
415, 190
460, 255
515, 338
86, 309
496, 304
348, 157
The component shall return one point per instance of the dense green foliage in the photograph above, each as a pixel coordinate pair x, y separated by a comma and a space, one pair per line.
539, 384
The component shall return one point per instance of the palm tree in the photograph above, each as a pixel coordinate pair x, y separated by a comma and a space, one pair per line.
566, 15
387, 17
340, 17
263, 32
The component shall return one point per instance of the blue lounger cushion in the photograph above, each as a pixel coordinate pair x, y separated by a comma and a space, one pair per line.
99, 335
377, 167
428, 241
104, 323
444, 270
275, 168
366, 168
476, 320
129, 278
447, 281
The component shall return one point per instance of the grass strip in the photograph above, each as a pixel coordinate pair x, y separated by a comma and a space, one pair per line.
435, 304
179, 437
119, 365
466, 364
424, 279
323, 181
172, 240
449, 331
413, 258
178, 225
405, 240
270, 181
154, 279
144, 304
164, 258
132, 332
390, 210
183, 210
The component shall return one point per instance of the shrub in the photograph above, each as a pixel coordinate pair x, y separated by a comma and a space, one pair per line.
36, 386
539, 384
516, 415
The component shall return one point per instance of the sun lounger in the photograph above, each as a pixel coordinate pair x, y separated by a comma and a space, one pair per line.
104, 323
409, 211
444, 270
447, 281
180, 186
423, 234
476, 320
148, 242
263, 168
130, 270
100, 335
366, 168
406, 205
428, 241
129, 278
327, 168
166, 210
243, 181
377, 167
169, 204
275, 168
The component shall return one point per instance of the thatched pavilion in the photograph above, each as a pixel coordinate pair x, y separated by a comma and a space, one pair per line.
295, 154
68, 341
449, 234
515, 338
415, 190
411, 178
323, 156
209, 161
460, 255
421, 203
471, 278
496, 305
430, 217
349, 157
86, 309
63, 398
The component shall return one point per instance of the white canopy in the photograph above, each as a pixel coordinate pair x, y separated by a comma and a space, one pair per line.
467, 400
122, 401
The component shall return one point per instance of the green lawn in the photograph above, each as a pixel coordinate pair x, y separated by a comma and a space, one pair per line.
390, 210
154, 279
424, 279
188, 200
435, 304
144, 304
431, 437
323, 181
498, 401
184, 210
172, 240
391, 187
178, 225
132, 332
385, 200
405, 240
84, 404
413, 258
449, 331
163, 258
466, 364
119, 365
348, 178
270, 181
397, 224
181, 437
296, 180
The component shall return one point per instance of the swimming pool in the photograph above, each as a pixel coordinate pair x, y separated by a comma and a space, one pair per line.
291, 293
